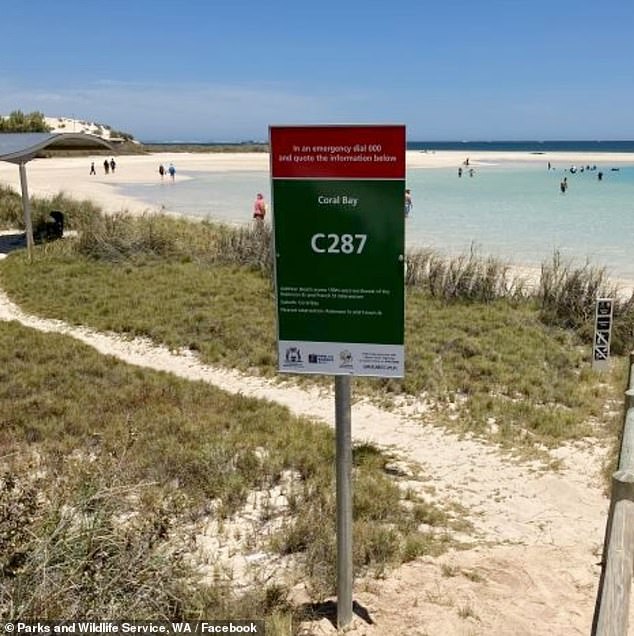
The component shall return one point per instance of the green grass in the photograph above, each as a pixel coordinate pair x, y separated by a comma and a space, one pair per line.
497, 363
224, 312
87, 441
60, 394
491, 368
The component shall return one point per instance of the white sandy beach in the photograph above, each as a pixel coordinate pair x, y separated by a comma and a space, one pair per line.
71, 174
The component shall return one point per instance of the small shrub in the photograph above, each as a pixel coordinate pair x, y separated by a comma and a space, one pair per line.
567, 297
122, 236
251, 246
74, 559
11, 213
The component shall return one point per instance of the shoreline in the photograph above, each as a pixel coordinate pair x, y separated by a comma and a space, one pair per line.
70, 175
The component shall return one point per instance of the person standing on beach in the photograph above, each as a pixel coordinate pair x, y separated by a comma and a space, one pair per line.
92, 168
172, 171
161, 171
106, 166
409, 204
259, 207
113, 165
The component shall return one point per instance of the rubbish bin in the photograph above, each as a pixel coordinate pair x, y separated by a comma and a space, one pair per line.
55, 227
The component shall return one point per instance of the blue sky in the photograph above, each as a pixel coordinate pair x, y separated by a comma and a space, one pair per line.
223, 70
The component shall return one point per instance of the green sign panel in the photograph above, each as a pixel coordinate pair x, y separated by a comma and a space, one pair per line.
339, 246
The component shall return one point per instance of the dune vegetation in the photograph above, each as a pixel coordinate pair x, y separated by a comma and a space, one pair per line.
111, 464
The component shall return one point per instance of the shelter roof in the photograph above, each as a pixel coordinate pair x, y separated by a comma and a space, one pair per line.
22, 147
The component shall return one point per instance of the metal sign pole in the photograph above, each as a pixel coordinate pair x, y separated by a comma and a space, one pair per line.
344, 499
339, 229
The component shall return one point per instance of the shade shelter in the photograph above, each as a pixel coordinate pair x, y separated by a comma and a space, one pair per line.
20, 148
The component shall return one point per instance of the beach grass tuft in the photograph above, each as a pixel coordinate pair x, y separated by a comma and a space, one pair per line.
122, 236
567, 296
470, 277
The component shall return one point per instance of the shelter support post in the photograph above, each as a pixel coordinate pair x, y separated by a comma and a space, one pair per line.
26, 206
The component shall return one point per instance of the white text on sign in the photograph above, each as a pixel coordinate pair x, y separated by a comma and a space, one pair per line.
338, 243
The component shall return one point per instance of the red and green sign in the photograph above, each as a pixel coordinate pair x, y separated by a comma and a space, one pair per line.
338, 200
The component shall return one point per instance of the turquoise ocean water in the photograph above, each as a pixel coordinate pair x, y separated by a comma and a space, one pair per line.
513, 211
517, 212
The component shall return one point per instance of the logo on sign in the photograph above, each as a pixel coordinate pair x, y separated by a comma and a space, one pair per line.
293, 354
319, 358
345, 359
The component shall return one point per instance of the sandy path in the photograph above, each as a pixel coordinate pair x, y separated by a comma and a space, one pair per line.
537, 533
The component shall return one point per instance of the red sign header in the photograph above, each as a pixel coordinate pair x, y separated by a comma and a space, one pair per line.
355, 152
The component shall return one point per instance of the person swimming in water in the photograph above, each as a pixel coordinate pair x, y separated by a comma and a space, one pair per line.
563, 186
